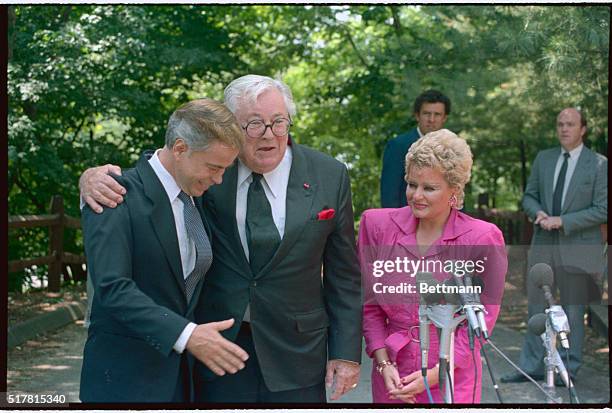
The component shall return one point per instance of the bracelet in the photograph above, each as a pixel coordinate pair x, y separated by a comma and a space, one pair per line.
380, 366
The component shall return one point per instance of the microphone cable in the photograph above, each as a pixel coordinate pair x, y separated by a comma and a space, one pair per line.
449, 383
495, 385
427, 389
472, 350
501, 353
573, 397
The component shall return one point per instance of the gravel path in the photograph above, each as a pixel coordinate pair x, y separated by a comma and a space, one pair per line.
50, 363
53, 363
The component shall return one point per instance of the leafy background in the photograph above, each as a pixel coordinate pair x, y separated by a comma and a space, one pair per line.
95, 84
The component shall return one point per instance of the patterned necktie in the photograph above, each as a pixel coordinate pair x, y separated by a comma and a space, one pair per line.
195, 232
558, 194
262, 235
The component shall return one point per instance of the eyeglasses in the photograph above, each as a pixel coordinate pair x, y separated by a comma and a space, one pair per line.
257, 128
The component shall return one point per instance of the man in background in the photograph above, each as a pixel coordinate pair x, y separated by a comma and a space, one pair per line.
567, 198
431, 109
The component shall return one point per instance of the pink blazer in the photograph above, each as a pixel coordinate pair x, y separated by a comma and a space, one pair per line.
390, 320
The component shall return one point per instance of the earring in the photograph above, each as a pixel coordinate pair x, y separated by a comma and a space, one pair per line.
453, 201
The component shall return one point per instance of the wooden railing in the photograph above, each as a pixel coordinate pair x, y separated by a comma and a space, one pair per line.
514, 225
56, 258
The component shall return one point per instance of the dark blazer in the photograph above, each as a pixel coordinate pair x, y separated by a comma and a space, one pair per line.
139, 307
392, 183
301, 314
585, 208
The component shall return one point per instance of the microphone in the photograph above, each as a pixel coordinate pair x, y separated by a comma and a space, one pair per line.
423, 322
472, 307
537, 324
468, 308
479, 309
542, 276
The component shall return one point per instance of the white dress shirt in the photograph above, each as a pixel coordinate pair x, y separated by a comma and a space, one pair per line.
275, 187
574, 154
186, 245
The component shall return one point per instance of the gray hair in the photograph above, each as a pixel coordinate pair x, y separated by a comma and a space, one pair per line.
202, 121
248, 88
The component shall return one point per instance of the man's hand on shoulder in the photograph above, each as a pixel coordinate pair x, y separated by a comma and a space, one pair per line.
216, 352
98, 187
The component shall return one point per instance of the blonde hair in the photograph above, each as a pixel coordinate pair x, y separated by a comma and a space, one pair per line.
446, 152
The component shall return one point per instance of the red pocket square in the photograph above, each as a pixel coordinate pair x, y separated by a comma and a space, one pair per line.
326, 214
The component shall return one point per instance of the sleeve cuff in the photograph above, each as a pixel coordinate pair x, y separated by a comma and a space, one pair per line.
181, 343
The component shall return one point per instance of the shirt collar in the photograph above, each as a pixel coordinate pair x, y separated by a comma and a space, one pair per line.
274, 178
419, 132
407, 222
574, 153
168, 182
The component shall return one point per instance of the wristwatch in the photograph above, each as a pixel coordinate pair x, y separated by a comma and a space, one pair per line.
380, 366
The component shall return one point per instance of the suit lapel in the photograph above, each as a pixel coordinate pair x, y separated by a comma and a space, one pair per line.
549, 180
224, 208
162, 218
300, 195
581, 170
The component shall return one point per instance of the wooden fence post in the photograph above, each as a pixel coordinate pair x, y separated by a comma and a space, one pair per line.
56, 244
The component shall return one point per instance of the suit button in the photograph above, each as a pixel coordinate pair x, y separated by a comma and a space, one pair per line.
254, 283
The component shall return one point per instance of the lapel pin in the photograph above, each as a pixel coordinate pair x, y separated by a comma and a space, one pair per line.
306, 185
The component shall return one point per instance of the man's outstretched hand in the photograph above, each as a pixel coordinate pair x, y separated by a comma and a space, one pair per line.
216, 352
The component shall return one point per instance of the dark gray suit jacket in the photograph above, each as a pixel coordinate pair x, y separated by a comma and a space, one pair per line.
139, 306
306, 303
585, 208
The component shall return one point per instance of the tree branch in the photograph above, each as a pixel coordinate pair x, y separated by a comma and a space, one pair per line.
78, 130
11, 28
354, 46
396, 22
26, 191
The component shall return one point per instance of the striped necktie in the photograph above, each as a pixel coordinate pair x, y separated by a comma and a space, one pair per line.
195, 232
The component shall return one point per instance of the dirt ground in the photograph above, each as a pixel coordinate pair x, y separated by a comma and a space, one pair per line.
49, 363
36, 302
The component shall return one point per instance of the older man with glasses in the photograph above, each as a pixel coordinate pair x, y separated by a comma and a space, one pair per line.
284, 263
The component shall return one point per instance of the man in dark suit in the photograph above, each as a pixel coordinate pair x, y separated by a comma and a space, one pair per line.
147, 259
567, 197
431, 109
285, 262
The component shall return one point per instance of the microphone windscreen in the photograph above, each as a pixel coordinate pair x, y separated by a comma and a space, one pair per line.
449, 297
537, 324
427, 279
541, 274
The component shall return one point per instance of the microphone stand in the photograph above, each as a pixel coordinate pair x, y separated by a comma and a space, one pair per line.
442, 317
474, 310
553, 362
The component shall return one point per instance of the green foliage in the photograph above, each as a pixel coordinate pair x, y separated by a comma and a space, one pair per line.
92, 84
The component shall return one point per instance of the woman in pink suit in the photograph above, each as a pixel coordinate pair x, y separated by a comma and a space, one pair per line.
430, 230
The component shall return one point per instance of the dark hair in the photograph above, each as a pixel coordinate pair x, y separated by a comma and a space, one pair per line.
432, 96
